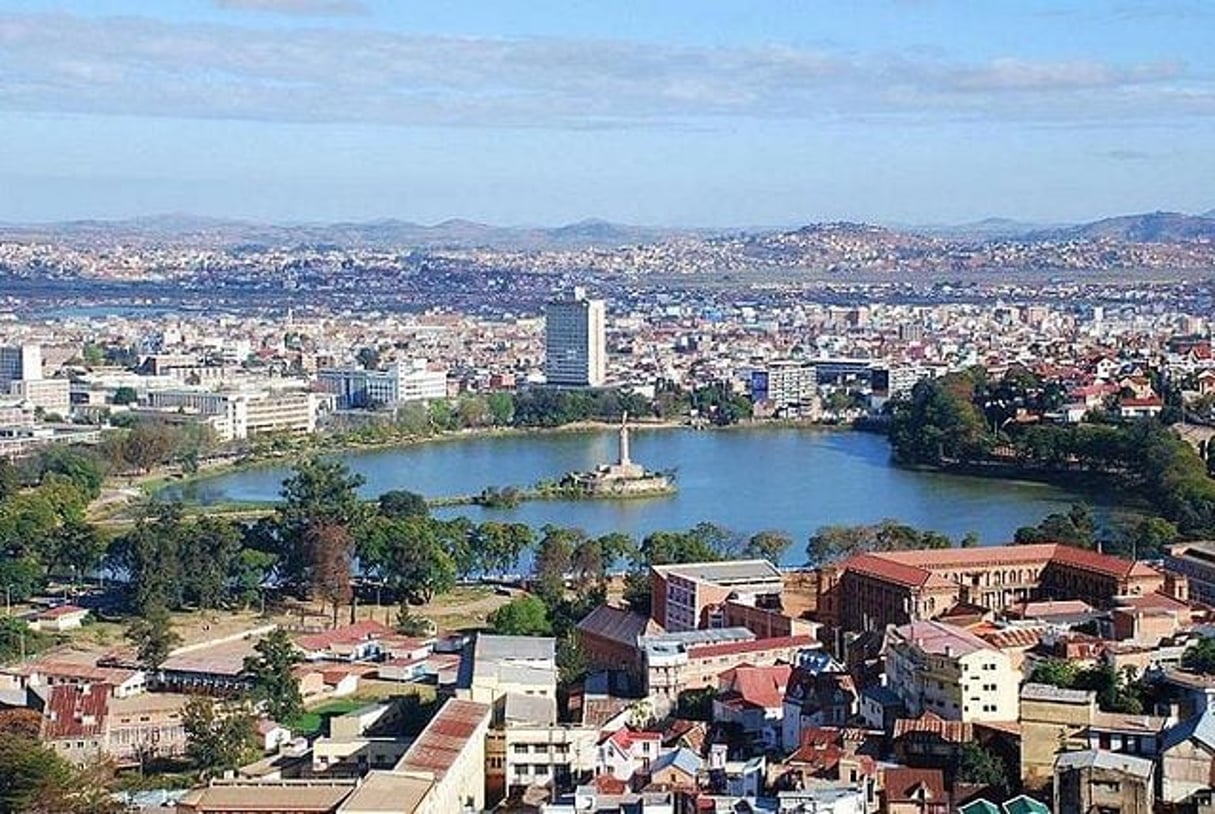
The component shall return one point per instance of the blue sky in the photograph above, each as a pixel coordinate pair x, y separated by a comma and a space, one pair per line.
678, 112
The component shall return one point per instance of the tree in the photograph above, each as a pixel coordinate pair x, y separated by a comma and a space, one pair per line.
125, 395
498, 546
320, 504
399, 503
409, 624
153, 636
219, 737
1146, 539
554, 559
328, 547
768, 545
522, 616
275, 686
409, 556
978, 766
79, 466
1056, 672
937, 422
572, 663
1200, 657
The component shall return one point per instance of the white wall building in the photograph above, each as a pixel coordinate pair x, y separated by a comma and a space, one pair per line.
951, 672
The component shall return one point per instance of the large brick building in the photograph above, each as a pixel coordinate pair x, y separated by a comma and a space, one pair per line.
898, 587
691, 596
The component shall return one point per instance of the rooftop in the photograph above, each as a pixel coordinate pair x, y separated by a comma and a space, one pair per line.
940, 639
616, 624
515, 648
302, 796
444, 738
388, 792
731, 573
76, 711
1101, 759
1049, 692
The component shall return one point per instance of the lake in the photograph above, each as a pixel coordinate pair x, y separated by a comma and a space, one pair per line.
747, 480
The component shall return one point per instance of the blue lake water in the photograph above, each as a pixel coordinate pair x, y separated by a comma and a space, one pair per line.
747, 480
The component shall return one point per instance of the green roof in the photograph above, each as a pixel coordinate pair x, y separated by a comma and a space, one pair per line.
1025, 805
980, 806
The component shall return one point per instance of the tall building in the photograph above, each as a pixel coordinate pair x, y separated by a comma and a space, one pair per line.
574, 344
21, 377
20, 363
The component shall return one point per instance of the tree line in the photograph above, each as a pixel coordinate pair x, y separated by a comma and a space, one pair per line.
957, 421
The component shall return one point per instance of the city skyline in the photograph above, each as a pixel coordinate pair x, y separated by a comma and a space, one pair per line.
688, 114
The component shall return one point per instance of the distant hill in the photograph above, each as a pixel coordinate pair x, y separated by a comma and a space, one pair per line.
1152, 227
384, 234
821, 243
986, 229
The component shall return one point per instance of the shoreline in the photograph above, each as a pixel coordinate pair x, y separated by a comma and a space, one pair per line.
151, 484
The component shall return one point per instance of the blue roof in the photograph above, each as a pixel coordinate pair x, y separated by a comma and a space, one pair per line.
1200, 727
682, 758
979, 806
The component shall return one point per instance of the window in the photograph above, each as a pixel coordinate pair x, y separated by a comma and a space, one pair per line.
519, 749
541, 770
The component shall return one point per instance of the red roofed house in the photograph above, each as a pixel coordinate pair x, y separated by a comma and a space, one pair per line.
753, 698
914, 791
627, 752
451, 751
59, 618
358, 642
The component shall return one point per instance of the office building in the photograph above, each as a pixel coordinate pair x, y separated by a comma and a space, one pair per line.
20, 363
355, 388
21, 378
574, 343
790, 389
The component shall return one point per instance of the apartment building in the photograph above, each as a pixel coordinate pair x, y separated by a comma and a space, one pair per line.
575, 353
946, 670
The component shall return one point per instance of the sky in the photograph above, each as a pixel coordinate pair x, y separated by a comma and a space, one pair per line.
666, 112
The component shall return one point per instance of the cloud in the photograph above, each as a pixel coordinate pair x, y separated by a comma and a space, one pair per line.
138, 66
305, 8
1127, 155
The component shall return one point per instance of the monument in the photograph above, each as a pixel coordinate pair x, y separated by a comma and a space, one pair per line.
621, 479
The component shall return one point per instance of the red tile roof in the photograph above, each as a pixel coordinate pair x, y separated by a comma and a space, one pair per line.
757, 686
349, 634
901, 784
932, 724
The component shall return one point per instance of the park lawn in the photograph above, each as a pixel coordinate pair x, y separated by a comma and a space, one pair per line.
313, 721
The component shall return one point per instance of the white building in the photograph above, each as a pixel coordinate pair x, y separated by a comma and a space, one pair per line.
574, 343
21, 377
951, 672
236, 416
355, 388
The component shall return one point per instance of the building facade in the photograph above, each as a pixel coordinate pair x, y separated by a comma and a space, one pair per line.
575, 346
946, 670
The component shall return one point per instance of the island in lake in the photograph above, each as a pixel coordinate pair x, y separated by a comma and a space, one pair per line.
621, 479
